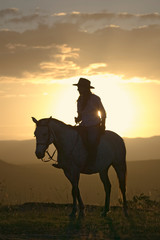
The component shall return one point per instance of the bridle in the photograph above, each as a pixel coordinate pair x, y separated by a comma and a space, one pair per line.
46, 144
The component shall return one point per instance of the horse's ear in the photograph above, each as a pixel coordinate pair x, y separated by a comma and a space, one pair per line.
34, 120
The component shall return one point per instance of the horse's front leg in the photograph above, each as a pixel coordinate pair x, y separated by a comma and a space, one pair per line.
73, 176
74, 195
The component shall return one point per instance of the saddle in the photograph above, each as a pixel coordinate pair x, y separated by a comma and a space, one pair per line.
83, 133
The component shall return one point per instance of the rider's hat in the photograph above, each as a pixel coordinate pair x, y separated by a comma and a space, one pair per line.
84, 83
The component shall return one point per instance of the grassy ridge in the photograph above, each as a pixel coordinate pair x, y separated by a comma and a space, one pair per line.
50, 221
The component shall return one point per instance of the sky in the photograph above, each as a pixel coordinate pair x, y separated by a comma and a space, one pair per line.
46, 46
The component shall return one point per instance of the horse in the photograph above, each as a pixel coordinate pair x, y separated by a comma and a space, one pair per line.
73, 154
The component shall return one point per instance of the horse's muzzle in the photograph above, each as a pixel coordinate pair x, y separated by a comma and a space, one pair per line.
40, 151
39, 155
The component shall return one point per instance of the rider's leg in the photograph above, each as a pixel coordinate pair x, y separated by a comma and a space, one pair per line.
93, 139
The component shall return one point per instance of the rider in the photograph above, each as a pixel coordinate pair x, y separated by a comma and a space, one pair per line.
91, 115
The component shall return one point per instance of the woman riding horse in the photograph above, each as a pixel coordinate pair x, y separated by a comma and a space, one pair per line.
72, 153
92, 123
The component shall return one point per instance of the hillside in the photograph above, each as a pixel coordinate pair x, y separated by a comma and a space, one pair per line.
22, 152
43, 183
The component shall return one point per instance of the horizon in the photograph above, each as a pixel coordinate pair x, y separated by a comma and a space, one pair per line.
48, 47
33, 139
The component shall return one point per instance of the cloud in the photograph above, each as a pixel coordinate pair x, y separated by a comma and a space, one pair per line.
63, 63
8, 11
26, 19
94, 21
84, 17
151, 16
59, 14
94, 69
64, 50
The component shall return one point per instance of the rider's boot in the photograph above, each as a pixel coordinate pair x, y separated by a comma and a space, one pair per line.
57, 165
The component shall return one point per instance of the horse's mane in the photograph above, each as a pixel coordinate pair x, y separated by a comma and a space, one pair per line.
44, 121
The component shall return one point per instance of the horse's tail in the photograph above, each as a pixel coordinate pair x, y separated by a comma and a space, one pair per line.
120, 166
123, 158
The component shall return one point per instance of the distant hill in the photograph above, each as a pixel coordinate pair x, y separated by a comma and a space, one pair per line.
18, 152
143, 148
43, 183
23, 152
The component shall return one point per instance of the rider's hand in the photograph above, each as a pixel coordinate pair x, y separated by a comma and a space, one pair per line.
77, 119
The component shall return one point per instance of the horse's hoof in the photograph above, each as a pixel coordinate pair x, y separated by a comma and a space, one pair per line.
105, 214
72, 216
81, 215
125, 213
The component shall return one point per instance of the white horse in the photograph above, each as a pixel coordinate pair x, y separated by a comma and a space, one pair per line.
73, 156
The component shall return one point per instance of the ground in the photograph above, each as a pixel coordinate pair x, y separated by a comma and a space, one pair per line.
42, 221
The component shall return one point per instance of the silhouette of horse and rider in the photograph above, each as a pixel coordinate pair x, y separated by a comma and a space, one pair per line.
87, 148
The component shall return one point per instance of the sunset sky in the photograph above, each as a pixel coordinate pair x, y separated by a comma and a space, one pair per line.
45, 46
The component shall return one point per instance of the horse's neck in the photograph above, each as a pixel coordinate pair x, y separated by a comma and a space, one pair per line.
69, 143
64, 135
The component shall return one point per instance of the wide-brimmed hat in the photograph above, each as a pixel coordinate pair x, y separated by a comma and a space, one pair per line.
84, 83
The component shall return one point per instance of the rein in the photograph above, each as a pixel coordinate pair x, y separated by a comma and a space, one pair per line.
50, 157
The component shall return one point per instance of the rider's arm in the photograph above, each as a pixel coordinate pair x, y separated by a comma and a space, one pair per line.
78, 118
103, 114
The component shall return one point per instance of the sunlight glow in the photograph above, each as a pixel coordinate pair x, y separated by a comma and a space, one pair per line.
118, 102
66, 104
131, 104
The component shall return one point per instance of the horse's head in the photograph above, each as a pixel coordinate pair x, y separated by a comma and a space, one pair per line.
43, 137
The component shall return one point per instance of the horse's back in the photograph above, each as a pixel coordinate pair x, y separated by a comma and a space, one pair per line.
112, 136
113, 142
111, 150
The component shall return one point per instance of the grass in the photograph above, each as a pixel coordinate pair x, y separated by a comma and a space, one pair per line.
41, 221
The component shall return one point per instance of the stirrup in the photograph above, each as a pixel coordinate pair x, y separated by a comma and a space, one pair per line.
57, 165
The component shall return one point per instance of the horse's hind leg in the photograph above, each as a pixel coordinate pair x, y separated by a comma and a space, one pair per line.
121, 174
81, 205
107, 187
